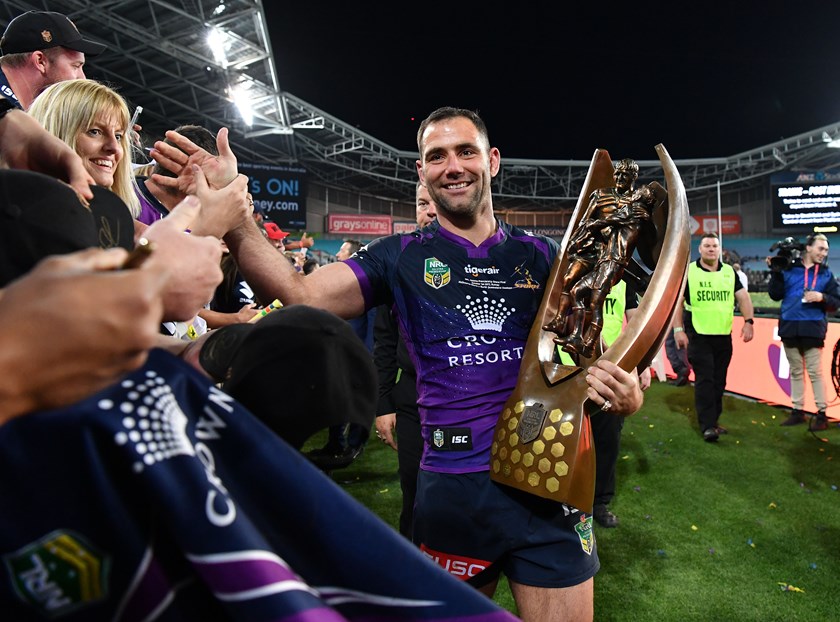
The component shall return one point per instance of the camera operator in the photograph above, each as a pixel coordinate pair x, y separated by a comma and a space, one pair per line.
808, 291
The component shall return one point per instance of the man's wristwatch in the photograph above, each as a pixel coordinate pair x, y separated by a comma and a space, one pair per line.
678, 329
749, 321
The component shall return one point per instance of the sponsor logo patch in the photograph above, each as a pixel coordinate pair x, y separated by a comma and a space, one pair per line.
526, 281
452, 439
436, 273
584, 532
474, 271
58, 573
485, 312
461, 567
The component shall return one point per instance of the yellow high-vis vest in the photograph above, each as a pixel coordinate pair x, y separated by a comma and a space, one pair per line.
711, 301
614, 305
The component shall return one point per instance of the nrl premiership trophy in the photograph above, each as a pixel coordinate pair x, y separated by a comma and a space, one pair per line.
542, 443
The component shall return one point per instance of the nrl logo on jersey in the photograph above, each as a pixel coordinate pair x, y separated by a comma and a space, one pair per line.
59, 573
436, 273
584, 532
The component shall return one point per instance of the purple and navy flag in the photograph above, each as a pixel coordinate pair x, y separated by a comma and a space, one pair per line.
161, 498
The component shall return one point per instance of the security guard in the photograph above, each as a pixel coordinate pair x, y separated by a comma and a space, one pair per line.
705, 328
606, 427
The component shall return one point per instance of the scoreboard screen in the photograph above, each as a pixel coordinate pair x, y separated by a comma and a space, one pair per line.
806, 202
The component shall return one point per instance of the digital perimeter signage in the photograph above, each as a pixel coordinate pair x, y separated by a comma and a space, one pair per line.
805, 201
279, 193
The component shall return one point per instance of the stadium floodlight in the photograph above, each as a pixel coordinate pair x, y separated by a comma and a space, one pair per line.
833, 143
240, 93
216, 39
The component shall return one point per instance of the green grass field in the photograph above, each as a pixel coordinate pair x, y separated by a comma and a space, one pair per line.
747, 529
762, 303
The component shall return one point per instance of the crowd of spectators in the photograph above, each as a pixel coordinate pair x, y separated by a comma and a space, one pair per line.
138, 485
124, 293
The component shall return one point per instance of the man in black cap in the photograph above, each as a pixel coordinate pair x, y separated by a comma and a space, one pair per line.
40, 48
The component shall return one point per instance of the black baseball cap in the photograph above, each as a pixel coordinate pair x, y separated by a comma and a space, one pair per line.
42, 216
39, 30
299, 370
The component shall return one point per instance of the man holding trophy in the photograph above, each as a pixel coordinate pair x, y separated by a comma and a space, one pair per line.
467, 291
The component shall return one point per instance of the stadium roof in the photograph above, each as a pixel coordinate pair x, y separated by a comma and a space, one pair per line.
159, 58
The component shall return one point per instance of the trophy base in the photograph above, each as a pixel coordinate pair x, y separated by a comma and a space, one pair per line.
543, 442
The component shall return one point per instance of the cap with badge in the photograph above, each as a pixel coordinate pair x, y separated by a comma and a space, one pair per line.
274, 232
41, 216
40, 30
299, 370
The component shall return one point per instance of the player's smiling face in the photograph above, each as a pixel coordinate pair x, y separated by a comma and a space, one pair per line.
458, 166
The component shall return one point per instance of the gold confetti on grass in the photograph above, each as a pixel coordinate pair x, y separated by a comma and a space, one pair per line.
786, 587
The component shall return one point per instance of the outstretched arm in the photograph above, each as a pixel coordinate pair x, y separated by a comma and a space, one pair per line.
333, 287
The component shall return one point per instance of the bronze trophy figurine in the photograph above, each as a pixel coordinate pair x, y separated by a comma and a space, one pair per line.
543, 442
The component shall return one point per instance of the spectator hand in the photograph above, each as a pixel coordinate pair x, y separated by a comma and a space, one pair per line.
191, 261
24, 144
74, 325
644, 379
247, 312
813, 296
219, 170
221, 210
385, 427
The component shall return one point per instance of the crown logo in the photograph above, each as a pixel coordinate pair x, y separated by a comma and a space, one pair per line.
153, 422
485, 313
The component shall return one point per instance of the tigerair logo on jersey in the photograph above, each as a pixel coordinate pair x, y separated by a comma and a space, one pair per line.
436, 274
474, 271
59, 573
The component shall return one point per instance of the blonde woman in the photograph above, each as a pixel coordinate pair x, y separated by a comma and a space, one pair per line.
93, 119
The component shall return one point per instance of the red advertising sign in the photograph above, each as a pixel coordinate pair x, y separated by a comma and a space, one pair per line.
708, 223
350, 224
759, 368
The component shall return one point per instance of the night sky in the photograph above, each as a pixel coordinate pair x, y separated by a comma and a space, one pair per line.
556, 82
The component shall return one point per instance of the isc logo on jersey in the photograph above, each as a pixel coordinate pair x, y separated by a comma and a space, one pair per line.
451, 439
436, 273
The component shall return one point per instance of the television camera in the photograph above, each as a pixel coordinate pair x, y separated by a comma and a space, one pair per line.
788, 251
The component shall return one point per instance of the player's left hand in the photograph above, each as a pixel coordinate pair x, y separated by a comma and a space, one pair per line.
613, 389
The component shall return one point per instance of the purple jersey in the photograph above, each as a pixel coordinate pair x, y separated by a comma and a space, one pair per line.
465, 313
161, 498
